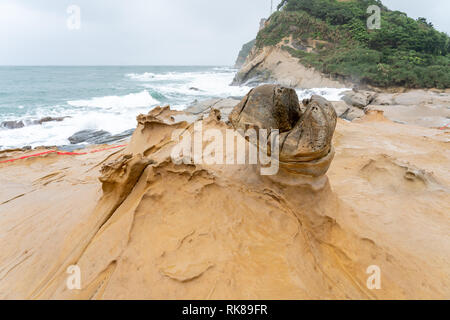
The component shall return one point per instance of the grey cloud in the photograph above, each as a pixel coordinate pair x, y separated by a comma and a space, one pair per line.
152, 32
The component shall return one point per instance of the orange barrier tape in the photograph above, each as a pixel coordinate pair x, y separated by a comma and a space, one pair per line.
60, 153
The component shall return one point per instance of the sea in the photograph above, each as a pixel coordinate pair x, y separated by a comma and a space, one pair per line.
106, 98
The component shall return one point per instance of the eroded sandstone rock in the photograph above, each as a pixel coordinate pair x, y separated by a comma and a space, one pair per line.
306, 129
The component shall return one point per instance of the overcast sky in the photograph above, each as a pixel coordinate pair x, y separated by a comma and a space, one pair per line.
148, 32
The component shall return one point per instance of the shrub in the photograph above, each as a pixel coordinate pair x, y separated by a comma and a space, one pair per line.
404, 52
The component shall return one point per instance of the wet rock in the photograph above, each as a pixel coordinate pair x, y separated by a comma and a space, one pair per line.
12, 124
17, 124
90, 136
98, 136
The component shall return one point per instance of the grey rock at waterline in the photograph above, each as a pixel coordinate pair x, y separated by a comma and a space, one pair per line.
359, 98
253, 78
117, 137
90, 136
49, 119
12, 124
98, 136
203, 107
17, 124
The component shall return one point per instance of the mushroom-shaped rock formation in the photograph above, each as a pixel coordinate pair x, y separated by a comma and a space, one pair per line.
306, 129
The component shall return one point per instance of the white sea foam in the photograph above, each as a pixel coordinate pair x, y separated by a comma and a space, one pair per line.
132, 100
331, 94
117, 113
57, 133
146, 76
187, 86
198, 84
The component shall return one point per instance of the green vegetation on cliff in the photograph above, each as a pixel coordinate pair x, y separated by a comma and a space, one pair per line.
332, 36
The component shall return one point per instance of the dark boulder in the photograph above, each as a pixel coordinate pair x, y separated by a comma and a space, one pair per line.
17, 124
267, 107
89, 136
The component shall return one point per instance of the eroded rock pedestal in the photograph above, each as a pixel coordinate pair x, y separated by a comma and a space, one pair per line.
306, 130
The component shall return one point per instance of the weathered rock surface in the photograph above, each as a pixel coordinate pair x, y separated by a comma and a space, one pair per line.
89, 136
151, 229
344, 111
427, 108
98, 136
359, 98
267, 107
275, 65
12, 124
203, 107
305, 130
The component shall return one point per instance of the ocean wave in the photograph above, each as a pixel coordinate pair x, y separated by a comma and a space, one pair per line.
57, 133
229, 69
186, 86
180, 76
331, 94
146, 76
132, 100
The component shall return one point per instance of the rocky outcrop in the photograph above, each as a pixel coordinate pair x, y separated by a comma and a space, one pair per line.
427, 108
359, 98
203, 107
98, 136
275, 65
344, 111
243, 54
305, 130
